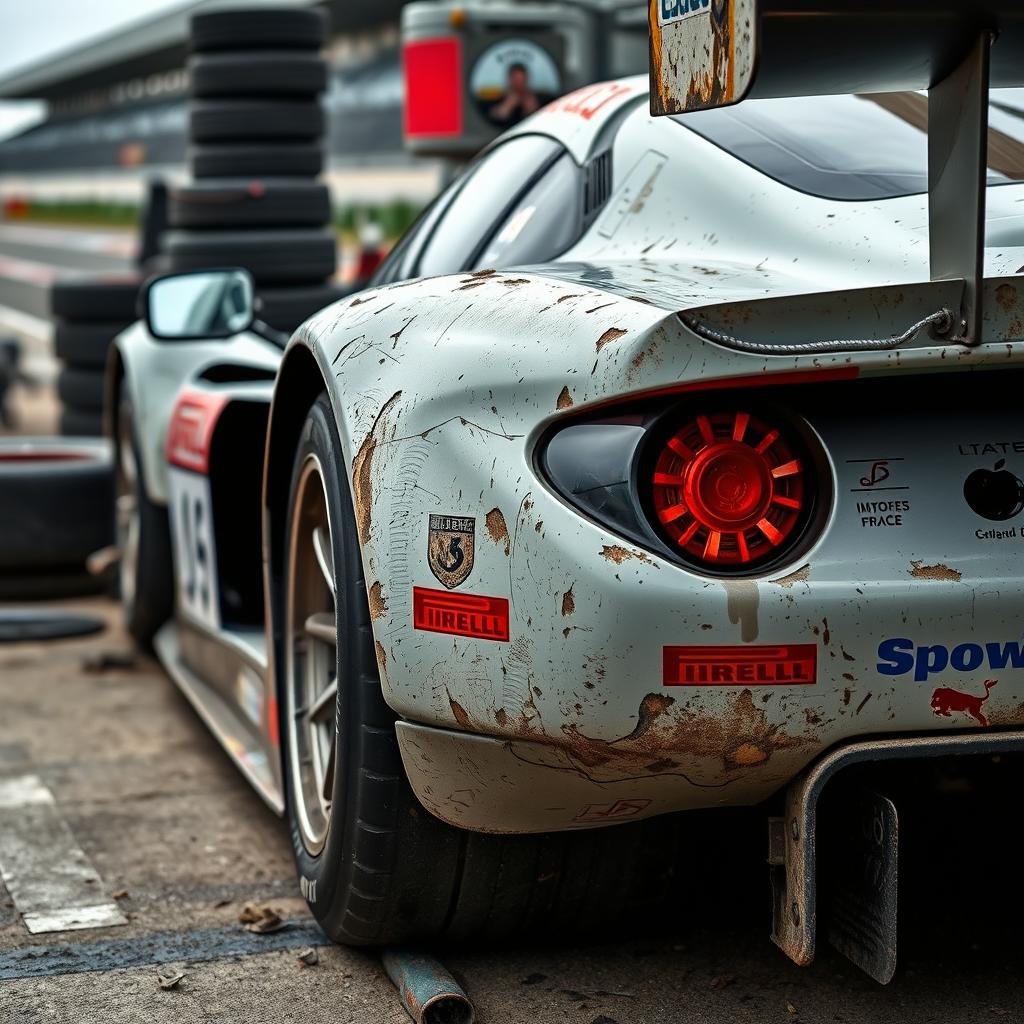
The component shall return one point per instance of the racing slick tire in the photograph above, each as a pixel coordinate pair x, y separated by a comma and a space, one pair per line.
304, 160
249, 204
56, 507
74, 423
374, 866
286, 308
143, 532
96, 299
85, 344
272, 257
255, 120
283, 73
81, 389
244, 28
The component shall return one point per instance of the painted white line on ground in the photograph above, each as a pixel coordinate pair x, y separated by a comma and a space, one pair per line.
35, 327
48, 875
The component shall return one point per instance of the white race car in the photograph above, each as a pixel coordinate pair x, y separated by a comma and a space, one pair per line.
710, 496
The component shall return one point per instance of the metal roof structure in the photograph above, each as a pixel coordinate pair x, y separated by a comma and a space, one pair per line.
157, 43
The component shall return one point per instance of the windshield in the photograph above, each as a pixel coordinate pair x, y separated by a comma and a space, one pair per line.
853, 147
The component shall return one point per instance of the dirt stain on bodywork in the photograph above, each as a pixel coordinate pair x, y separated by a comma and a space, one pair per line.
618, 554
1006, 296
740, 736
564, 399
941, 572
568, 603
465, 722
362, 467
612, 334
378, 604
801, 575
497, 528
743, 599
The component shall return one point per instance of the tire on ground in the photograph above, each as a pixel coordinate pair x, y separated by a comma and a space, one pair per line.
286, 308
148, 598
244, 159
258, 27
56, 509
103, 299
249, 203
282, 73
81, 389
272, 257
75, 423
255, 120
390, 872
85, 344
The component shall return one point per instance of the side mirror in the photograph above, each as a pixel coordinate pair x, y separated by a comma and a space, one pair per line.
199, 304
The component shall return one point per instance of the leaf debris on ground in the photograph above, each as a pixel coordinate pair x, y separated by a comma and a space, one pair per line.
170, 980
308, 957
260, 920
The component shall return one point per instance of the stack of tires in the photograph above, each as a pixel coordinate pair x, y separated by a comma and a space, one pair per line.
88, 313
256, 148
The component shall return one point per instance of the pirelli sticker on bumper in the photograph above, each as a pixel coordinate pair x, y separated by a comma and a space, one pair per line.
438, 611
758, 665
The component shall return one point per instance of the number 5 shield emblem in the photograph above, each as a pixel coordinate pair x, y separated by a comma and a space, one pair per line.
451, 545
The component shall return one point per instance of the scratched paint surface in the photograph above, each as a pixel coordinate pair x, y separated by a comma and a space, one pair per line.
442, 388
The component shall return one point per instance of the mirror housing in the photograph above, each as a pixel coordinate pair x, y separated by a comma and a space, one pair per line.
199, 305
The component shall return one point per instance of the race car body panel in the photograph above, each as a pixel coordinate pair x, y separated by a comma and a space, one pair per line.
157, 369
597, 660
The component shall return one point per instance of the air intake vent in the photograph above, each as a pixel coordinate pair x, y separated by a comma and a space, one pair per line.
598, 185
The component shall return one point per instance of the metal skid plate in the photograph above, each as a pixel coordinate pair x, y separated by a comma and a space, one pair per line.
861, 893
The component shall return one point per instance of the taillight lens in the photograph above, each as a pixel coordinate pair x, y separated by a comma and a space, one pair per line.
728, 490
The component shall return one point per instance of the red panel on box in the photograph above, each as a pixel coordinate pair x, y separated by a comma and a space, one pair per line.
439, 611
784, 665
432, 70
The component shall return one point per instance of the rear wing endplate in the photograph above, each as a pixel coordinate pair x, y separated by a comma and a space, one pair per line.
711, 53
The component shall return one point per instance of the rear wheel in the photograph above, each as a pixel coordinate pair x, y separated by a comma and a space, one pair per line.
375, 867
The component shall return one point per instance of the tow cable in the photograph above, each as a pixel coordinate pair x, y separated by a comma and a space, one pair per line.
941, 322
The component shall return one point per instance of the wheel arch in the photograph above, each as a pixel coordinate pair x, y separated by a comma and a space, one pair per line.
299, 383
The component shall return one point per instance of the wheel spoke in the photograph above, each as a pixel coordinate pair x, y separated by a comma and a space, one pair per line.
324, 703
327, 792
324, 556
321, 626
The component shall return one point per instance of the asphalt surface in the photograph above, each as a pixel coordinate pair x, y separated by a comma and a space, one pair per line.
181, 845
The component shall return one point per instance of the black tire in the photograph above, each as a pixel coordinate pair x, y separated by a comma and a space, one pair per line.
272, 257
147, 596
391, 873
86, 344
254, 27
56, 509
74, 423
305, 160
250, 203
286, 308
255, 120
284, 73
81, 389
102, 299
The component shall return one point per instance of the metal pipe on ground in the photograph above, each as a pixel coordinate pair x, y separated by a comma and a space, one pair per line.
429, 993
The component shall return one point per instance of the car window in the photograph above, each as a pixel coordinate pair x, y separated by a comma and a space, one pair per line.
845, 147
543, 224
488, 191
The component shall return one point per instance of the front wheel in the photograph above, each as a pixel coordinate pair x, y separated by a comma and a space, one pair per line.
374, 866
143, 532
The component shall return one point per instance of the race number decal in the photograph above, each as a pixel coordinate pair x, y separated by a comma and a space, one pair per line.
194, 554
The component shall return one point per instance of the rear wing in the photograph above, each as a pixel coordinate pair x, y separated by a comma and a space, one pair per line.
711, 53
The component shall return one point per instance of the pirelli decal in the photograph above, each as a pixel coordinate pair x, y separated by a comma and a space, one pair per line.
759, 665
438, 611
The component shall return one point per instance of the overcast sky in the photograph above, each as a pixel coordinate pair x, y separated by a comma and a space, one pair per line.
33, 29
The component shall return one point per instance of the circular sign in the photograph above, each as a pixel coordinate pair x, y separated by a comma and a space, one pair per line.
513, 79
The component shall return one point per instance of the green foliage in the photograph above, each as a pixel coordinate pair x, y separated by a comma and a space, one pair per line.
84, 211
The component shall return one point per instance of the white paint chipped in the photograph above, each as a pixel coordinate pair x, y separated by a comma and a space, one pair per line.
51, 880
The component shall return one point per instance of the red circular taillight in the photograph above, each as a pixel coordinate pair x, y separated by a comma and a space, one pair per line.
728, 490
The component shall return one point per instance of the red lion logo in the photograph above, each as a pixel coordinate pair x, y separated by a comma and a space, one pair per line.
945, 701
